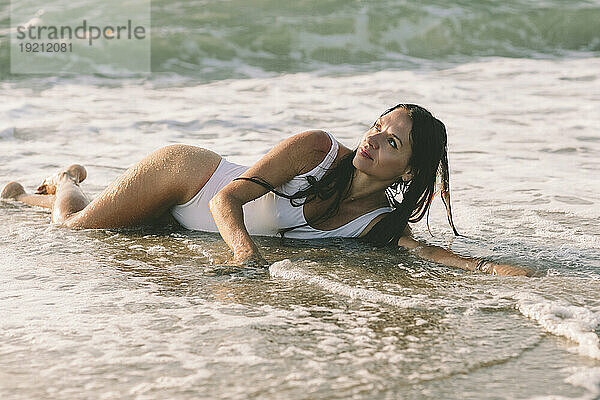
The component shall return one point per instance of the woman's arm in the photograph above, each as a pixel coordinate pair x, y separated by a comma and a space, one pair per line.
294, 156
229, 217
446, 257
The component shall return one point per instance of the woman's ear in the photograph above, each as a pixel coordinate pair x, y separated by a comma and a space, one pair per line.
407, 176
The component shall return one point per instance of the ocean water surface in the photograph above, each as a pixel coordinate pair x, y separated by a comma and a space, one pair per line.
153, 313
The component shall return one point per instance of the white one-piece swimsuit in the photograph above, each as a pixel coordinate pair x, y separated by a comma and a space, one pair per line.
269, 213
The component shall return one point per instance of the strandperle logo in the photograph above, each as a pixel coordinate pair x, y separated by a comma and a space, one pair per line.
107, 37
128, 31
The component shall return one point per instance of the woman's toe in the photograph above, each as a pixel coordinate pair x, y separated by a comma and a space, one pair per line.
77, 171
12, 190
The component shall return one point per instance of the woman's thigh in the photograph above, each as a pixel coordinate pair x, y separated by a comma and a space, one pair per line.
168, 176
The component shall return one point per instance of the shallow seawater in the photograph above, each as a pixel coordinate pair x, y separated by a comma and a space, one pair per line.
158, 313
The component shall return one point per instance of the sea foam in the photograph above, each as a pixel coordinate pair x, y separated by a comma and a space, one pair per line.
286, 269
573, 322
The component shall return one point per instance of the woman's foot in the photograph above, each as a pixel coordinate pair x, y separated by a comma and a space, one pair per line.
75, 173
12, 190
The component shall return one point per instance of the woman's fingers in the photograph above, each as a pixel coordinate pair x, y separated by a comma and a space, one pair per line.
505, 269
253, 260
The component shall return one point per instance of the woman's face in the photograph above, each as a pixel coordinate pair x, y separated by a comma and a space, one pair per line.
385, 150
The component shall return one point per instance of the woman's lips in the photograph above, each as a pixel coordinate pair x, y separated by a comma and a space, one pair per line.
364, 153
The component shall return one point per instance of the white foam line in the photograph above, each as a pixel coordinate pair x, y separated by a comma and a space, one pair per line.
584, 377
588, 378
575, 323
285, 269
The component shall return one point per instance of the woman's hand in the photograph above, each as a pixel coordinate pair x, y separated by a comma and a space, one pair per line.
448, 258
228, 215
253, 259
491, 268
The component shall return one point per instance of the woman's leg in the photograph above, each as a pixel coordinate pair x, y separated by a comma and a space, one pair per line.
14, 190
169, 176
45, 193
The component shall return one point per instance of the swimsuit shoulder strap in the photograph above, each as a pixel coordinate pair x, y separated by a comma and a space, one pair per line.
320, 169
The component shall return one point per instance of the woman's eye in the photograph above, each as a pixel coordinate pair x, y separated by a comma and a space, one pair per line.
392, 142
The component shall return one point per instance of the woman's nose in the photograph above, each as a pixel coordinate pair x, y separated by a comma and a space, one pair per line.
372, 141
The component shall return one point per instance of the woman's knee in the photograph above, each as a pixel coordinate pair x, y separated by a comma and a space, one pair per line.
182, 155
189, 168
177, 149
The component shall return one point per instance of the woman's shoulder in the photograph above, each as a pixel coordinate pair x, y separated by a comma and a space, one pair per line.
327, 143
319, 140
315, 146
313, 140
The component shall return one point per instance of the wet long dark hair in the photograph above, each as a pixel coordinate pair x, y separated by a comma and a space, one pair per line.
429, 158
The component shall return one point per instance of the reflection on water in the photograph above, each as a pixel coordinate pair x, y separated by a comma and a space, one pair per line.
152, 311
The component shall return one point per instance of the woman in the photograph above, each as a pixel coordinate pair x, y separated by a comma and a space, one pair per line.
308, 186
